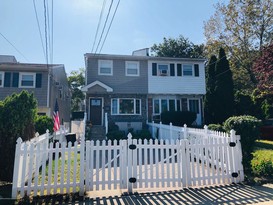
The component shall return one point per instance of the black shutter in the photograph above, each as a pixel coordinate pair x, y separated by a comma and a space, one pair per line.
196, 70
172, 69
15, 80
179, 70
38, 80
154, 72
7, 79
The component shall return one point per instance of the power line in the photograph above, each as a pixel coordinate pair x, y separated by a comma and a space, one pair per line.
39, 28
98, 26
46, 31
110, 25
105, 22
52, 32
13, 46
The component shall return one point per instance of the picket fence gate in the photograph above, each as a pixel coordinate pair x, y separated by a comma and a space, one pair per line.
126, 164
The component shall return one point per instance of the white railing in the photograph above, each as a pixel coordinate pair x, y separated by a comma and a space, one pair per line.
128, 164
106, 123
170, 132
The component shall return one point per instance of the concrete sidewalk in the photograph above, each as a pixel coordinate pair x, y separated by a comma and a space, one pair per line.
225, 194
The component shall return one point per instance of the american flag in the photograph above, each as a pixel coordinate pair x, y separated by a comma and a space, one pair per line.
56, 117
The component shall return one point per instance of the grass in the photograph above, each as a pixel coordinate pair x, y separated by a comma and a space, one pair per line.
262, 162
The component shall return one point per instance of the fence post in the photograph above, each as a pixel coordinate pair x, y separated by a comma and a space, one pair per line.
130, 163
16, 167
153, 131
160, 130
185, 132
47, 138
82, 166
239, 158
171, 131
206, 130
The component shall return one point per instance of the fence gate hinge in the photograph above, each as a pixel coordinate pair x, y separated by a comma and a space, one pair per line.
232, 144
132, 180
132, 146
235, 174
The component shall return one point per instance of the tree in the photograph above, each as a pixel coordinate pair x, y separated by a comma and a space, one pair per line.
263, 70
76, 81
210, 98
178, 48
17, 115
224, 89
242, 27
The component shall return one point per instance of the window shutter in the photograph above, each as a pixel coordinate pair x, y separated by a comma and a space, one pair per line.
15, 80
38, 80
172, 69
179, 69
196, 70
7, 79
154, 71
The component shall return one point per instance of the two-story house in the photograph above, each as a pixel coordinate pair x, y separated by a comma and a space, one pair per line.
46, 82
134, 89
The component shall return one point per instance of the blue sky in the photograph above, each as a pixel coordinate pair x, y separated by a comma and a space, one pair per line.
137, 24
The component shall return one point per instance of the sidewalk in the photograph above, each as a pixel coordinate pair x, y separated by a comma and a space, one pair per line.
226, 194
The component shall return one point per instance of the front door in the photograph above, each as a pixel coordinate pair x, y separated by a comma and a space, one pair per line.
96, 111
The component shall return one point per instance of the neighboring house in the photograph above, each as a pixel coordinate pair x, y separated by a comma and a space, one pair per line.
136, 89
46, 82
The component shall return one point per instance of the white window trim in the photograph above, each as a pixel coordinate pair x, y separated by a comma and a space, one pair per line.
99, 65
168, 104
192, 70
3, 78
126, 68
135, 99
20, 80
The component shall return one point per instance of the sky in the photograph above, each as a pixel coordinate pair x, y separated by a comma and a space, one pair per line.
137, 24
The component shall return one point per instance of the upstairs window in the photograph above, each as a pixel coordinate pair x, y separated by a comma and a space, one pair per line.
1, 79
27, 80
105, 67
163, 69
187, 70
132, 68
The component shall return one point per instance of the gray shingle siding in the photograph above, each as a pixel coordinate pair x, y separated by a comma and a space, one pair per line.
119, 81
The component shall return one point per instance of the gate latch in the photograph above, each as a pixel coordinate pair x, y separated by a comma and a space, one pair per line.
132, 146
132, 180
232, 144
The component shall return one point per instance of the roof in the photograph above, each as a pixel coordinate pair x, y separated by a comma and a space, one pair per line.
7, 59
28, 66
132, 57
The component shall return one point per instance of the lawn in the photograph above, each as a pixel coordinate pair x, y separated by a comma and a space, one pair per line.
262, 162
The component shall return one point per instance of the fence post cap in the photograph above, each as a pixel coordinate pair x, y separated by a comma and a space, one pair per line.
232, 132
47, 131
37, 134
185, 125
19, 140
205, 127
129, 136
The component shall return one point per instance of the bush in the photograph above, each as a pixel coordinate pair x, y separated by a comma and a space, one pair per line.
116, 135
178, 118
248, 127
262, 163
216, 127
42, 123
141, 134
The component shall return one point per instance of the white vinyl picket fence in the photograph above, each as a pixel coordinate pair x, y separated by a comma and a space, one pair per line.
127, 164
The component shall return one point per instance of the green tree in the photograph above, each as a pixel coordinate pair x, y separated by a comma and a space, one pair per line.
43, 123
17, 115
243, 28
76, 81
210, 98
224, 89
178, 48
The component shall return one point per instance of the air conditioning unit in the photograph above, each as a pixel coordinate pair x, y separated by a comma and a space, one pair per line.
163, 72
57, 83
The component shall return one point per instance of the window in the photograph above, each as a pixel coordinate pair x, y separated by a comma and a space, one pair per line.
132, 68
1, 79
194, 106
163, 69
162, 105
105, 67
27, 80
187, 70
126, 106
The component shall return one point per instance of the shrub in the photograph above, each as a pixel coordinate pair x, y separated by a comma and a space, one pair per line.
142, 134
262, 163
216, 127
248, 127
116, 135
178, 118
42, 123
